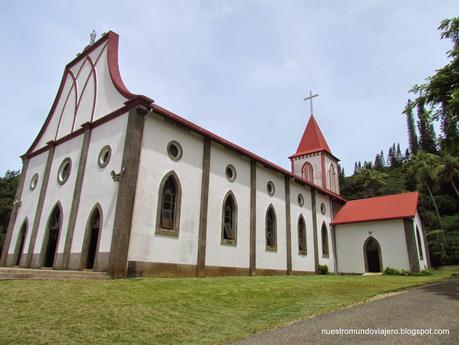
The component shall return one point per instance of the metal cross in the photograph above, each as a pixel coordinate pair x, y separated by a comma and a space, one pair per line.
311, 96
93, 37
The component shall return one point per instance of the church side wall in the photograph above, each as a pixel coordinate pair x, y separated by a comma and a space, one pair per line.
301, 262
217, 253
29, 201
145, 244
324, 219
350, 239
57, 193
265, 258
99, 188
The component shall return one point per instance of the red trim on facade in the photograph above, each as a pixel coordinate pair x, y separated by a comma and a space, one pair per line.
112, 60
204, 132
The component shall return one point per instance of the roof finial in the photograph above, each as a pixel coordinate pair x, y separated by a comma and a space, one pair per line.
311, 96
93, 37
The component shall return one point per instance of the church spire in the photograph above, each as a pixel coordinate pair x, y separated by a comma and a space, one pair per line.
312, 140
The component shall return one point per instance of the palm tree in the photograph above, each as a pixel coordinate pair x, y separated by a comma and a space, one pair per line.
371, 180
448, 171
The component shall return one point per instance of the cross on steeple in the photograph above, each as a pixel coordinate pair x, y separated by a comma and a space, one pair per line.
311, 96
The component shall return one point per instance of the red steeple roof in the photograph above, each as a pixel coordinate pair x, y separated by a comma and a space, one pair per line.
312, 140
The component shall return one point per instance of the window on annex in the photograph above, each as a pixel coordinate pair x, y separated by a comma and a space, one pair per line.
229, 220
271, 229
168, 215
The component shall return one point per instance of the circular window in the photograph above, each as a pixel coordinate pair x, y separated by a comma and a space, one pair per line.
300, 199
104, 156
322, 208
270, 188
34, 182
174, 150
64, 171
230, 172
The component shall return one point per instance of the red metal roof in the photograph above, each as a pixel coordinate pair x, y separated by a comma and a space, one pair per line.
312, 140
380, 208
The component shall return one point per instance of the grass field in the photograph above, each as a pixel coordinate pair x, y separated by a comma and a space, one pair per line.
177, 311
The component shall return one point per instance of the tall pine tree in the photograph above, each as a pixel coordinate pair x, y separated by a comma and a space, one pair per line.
412, 136
426, 130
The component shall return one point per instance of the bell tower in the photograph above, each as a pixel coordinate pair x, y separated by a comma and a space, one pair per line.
314, 161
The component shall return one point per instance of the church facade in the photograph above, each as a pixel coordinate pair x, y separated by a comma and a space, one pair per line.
116, 183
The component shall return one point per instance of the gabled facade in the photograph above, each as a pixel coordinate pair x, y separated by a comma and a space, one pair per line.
116, 183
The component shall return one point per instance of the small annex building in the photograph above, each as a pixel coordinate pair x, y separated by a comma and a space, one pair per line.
380, 232
115, 183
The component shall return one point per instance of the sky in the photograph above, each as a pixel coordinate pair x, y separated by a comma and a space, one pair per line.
238, 68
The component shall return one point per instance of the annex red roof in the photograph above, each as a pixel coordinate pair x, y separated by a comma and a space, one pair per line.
380, 208
313, 140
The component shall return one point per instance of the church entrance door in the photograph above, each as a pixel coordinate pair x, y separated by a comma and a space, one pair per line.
94, 229
54, 226
372, 255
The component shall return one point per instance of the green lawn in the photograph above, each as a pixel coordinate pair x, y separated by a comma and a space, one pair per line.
176, 311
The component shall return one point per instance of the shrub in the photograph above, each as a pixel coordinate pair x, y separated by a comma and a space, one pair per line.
396, 272
323, 269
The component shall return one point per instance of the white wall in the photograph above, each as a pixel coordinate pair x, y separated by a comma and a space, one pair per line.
350, 239
218, 254
266, 259
315, 160
60, 193
321, 219
301, 262
29, 200
98, 185
145, 245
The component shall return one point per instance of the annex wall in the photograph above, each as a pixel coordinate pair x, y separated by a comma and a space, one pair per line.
145, 244
217, 252
350, 239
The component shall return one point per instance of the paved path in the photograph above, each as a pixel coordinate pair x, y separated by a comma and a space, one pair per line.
433, 306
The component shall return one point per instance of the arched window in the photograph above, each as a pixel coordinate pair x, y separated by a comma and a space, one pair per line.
302, 249
421, 254
332, 178
170, 195
325, 251
271, 229
20, 243
308, 172
229, 220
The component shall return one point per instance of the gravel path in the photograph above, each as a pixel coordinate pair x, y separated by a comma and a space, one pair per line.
429, 307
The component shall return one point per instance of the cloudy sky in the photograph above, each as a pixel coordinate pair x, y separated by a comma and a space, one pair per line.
238, 68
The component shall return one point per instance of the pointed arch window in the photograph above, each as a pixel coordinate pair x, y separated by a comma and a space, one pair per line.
308, 172
20, 243
168, 215
421, 254
332, 178
302, 249
229, 220
271, 229
324, 232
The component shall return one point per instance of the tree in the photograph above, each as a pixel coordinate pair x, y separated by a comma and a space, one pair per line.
412, 136
426, 129
8, 186
422, 167
371, 181
448, 171
441, 91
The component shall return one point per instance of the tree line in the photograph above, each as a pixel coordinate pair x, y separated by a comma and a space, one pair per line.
431, 162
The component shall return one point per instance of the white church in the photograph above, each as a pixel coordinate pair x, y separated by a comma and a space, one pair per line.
115, 183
